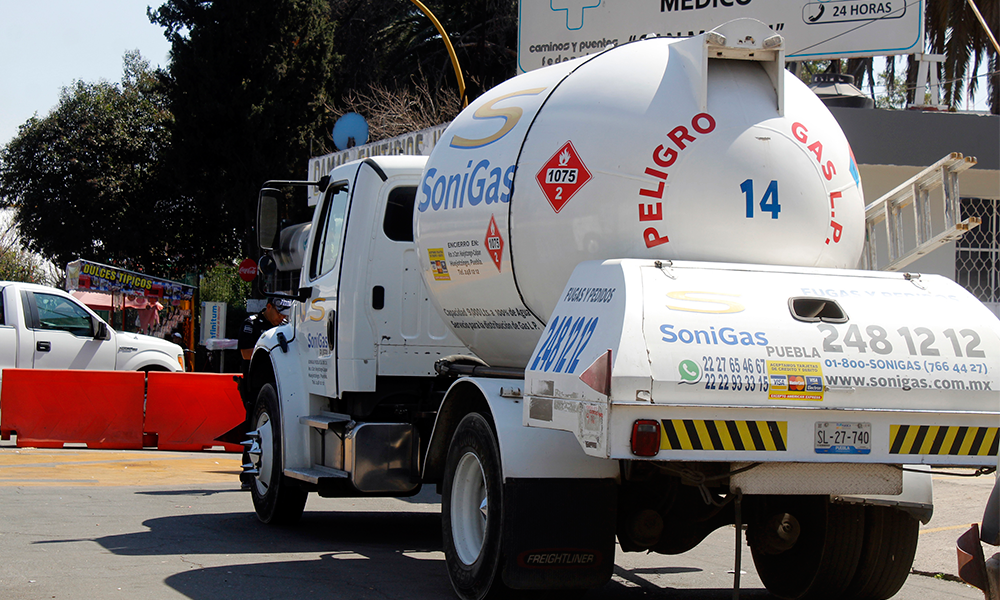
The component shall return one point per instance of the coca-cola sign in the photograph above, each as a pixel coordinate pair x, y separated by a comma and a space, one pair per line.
248, 269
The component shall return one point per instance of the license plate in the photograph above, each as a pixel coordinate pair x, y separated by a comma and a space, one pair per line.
843, 438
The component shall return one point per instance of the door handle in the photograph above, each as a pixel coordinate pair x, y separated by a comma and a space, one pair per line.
331, 329
43, 346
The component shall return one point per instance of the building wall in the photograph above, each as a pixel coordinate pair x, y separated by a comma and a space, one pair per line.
892, 146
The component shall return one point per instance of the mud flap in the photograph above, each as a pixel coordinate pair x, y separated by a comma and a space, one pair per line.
559, 533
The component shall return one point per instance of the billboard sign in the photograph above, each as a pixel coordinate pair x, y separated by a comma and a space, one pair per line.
89, 276
213, 320
551, 31
418, 143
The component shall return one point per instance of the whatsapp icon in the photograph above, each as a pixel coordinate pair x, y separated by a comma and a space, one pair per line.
689, 371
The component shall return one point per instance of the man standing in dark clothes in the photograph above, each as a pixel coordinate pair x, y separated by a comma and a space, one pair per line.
273, 314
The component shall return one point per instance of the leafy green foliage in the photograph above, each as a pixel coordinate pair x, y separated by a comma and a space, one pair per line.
222, 283
17, 264
255, 88
86, 180
392, 44
895, 92
952, 29
247, 84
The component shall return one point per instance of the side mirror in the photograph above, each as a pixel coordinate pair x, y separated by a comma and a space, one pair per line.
267, 217
265, 270
102, 332
266, 265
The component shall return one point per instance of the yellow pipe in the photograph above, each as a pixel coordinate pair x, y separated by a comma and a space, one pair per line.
982, 22
451, 50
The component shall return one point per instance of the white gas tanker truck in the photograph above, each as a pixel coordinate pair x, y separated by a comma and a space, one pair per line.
617, 302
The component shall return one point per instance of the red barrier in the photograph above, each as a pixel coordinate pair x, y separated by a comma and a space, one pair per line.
104, 409
47, 408
187, 411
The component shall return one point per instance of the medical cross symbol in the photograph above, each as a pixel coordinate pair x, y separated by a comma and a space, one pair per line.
574, 10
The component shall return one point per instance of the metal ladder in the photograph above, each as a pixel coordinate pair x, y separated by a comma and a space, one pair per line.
915, 193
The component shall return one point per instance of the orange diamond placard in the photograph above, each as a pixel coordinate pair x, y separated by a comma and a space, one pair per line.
562, 176
493, 242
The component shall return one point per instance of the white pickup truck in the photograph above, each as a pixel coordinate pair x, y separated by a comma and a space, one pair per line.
46, 328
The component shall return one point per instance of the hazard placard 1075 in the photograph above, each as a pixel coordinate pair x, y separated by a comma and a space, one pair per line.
558, 175
562, 176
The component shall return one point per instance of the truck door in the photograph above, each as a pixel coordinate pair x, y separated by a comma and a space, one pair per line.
8, 337
63, 334
318, 318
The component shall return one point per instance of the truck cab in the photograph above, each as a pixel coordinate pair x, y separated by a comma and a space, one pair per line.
360, 344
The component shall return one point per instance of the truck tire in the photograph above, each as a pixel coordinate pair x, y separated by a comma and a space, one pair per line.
276, 499
805, 547
471, 509
886, 554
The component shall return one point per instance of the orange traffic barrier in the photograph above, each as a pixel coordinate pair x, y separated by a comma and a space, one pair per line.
188, 411
49, 408
105, 409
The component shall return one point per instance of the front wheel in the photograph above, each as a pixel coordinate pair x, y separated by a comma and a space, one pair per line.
471, 509
275, 498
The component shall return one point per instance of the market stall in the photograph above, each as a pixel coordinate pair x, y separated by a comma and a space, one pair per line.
161, 307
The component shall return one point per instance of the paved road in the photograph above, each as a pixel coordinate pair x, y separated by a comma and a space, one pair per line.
90, 524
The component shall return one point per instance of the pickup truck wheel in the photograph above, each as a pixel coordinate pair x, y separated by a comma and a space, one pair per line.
886, 554
275, 498
471, 509
805, 547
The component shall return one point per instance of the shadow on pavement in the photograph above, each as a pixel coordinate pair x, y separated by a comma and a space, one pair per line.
360, 555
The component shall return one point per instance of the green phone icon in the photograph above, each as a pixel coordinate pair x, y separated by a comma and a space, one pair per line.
689, 371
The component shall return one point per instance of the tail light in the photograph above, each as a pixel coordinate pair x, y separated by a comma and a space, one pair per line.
645, 437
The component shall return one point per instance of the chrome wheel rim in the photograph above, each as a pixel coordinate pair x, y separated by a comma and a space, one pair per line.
266, 457
469, 508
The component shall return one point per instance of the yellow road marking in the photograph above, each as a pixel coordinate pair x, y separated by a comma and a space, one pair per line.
949, 528
46, 467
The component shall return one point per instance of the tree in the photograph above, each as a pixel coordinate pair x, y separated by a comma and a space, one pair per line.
222, 283
85, 180
255, 88
952, 29
18, 264
390, 43
894, 97
247, 83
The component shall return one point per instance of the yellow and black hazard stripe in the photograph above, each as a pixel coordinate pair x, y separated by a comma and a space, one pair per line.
943, 440
698, 434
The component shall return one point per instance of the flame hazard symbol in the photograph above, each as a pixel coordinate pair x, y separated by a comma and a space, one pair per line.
494, 243
562, 176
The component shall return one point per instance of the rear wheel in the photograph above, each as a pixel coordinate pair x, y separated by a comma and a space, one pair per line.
471, 509
276, 499
886, 554
805, 547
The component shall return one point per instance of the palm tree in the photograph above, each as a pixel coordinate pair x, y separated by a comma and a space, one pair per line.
952, 29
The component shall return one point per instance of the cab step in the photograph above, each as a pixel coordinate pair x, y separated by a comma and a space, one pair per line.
317, 474
325, 420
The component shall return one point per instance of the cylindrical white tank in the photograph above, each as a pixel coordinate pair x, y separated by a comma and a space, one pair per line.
695, 149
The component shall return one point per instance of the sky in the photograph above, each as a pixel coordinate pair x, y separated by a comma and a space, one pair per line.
45, 45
